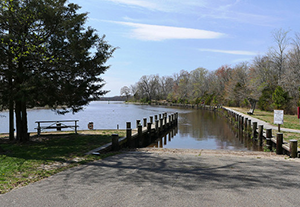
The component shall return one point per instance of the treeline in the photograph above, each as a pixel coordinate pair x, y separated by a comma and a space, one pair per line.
272, 80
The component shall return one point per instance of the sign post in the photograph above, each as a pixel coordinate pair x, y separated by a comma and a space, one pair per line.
278, 118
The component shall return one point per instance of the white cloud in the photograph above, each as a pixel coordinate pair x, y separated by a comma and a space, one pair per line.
232, 10
139, 3
233, 52
162, 5
159, 33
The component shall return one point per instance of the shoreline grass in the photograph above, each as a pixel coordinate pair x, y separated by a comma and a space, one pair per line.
24, 163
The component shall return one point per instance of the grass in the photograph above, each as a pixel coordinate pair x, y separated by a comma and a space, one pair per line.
22, 164
290, 121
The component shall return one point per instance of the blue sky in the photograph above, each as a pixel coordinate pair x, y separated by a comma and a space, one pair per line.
165, 36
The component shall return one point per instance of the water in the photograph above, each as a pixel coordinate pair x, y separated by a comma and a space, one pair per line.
197, 129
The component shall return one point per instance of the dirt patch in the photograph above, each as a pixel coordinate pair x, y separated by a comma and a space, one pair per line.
256, 154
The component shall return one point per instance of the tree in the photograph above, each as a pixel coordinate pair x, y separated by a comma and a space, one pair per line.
47, 59
148, 87
278, 53
280, 98
183, 90
237, 86
166, 86
125, 91
199, 83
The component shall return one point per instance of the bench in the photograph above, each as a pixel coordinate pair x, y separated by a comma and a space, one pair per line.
58, 125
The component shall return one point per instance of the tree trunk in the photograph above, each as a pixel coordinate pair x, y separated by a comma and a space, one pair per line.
11, 121
21, 121
11, 101
25, 136
18, 121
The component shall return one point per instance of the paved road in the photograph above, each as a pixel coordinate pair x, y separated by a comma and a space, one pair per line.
169, 178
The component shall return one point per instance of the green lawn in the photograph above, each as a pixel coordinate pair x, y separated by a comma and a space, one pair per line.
21, 164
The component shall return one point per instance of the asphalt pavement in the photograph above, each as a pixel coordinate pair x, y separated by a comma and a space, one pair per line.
165, 177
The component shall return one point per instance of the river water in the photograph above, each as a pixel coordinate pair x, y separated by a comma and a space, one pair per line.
197, 129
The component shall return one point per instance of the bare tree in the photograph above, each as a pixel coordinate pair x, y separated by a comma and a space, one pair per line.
148, 86
166, 86
125, 91
199, 83
237, 87
278, 53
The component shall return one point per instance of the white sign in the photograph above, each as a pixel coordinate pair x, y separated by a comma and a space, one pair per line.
278, 116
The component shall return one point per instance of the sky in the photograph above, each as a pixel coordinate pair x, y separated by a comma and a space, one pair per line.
163, 37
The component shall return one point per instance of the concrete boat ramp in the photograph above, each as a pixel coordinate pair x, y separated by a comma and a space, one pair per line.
164, 177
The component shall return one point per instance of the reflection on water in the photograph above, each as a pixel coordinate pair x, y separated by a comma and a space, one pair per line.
200, 129
197, 129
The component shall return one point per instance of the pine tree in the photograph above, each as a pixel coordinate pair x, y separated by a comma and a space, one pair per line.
47, 58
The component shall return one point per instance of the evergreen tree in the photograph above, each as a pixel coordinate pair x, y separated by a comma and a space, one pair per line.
280, 98
47, 58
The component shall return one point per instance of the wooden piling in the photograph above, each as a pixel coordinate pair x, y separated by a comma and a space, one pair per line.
161, 125
140, 136
260, 135
149, 125
249, 128
254, 128
268, 139
138, 123
115, 142
129, 135
279, 142
293, 148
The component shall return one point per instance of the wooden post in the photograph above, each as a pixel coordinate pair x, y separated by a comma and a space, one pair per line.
138, 123
145, 122
149, 133
172, 118
268, 139
279, 149
246, 122
293, 148
151, 119
58, 125
39, 129
254, 127
249, 128
242, 122
129, 135
161, 126
165, 121
260, 135
155, 117
156, 126
75, 127
115, 142
140, 136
